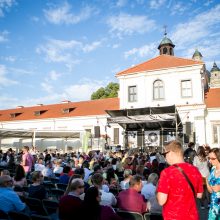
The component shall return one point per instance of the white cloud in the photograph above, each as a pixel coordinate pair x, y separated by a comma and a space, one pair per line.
121, 3
20, 71
155, 4
10, 59
4, 80
63, 14
115, 46
53, 75
5, 5
59, 51
47, 87
144, 51
126, 24
4, 36
90, 47
201, 27
179, 8
86, 88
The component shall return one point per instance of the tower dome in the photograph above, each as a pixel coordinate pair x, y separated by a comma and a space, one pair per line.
166, 46
197, 55
215, 68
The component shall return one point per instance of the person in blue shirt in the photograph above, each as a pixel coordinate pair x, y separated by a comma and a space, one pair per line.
9, 200
64, 178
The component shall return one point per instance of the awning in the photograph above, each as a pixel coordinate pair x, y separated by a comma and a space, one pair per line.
151, 118
13, 133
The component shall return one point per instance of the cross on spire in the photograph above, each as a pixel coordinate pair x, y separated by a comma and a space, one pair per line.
165, 29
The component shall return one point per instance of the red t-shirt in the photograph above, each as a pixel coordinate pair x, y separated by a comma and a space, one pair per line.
180, 203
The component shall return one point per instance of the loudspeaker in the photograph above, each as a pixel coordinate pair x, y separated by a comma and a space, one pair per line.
188, 128
97, 131
186, 139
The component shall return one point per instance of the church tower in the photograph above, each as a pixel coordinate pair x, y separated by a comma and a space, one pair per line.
215, 76
197, 55
166, 46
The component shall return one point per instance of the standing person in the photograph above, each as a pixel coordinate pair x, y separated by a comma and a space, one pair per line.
174, 192
27, 160
213, 184
190, 153
200, 161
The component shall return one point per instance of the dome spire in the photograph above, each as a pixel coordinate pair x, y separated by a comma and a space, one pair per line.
166, 45
197, 55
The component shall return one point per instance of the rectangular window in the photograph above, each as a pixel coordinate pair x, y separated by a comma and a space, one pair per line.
116, 135
186, 88
215, 129
132, 93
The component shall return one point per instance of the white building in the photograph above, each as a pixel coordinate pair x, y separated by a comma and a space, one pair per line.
162, 98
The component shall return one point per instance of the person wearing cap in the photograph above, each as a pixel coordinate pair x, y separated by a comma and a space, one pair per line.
9, 200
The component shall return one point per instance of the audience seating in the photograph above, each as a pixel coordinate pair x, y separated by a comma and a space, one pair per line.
126, 215
50, 205
36, 206
18, 216
61, 186
57, 193
153, 216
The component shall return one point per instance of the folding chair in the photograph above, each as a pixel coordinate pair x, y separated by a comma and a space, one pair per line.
50, 205
36, 206
153, 216
61, 186
57, 193
126, 215
18, 216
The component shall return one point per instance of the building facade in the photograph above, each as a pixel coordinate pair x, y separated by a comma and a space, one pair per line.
163, 81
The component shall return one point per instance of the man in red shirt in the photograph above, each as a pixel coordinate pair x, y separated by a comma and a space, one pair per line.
174, 192
131, 199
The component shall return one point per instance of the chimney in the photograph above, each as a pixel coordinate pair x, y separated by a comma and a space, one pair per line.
65, 101
20, 106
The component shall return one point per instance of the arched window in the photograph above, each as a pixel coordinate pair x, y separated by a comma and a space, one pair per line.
158, 90
164, 50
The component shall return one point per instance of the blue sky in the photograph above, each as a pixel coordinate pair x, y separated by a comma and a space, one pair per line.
54, 50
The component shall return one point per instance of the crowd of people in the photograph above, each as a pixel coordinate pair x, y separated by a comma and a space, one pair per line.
98, 184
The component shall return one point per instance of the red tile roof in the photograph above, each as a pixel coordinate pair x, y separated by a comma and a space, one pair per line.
160, 62
84, 108
212, 98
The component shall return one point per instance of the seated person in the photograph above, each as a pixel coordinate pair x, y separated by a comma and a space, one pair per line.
125, 183
131, 199
91, 208
9, 200
149, 192
64, 178
39, 166
107, 198
37, 189
70, 204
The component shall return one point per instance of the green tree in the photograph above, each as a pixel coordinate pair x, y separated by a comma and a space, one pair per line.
110, 91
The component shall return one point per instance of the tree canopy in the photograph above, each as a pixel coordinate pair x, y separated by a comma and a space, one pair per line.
110, 91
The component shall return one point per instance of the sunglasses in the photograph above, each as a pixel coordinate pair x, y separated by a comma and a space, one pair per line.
165, 153
81, 186
212, 158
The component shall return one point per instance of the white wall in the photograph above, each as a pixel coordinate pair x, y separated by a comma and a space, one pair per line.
172, 87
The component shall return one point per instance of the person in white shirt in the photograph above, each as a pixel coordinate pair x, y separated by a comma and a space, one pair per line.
39, 166
107, 198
